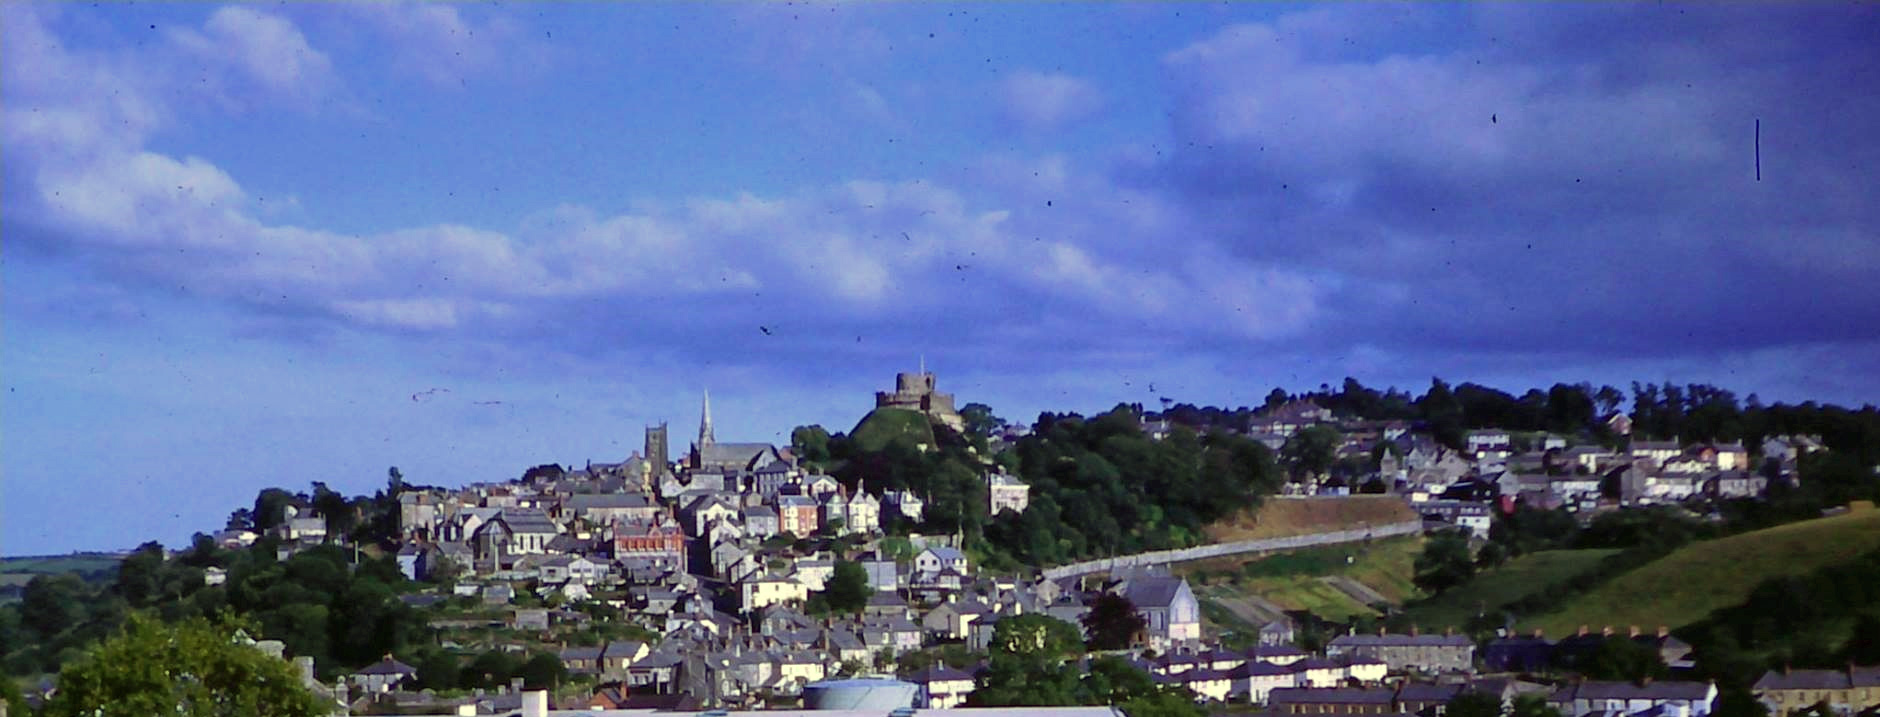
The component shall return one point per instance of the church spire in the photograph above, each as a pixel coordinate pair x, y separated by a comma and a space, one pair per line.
705, 422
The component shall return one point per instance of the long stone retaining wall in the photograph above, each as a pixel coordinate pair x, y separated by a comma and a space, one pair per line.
1221, 550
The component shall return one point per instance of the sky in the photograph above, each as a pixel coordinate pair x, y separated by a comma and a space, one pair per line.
265, 245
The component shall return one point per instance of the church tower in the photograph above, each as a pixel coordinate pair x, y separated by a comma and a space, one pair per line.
705, 422
658, 454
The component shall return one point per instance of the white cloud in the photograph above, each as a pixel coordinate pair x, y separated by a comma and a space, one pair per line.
1043, 101
438, 44
263, 49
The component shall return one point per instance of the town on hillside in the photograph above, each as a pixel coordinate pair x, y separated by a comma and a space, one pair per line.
751, 576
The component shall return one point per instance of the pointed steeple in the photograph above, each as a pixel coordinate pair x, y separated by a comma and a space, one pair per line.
705, 422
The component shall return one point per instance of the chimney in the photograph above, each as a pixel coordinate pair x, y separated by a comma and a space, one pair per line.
1605, 631
1413, 631
1663, 631
1632, 631
515, 684
535, 704
1449, 632
1540, 634
1582, 631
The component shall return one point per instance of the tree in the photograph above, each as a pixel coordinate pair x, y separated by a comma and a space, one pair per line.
1112, 623
1621, 658
543, 671
1312, 450
52, 603
1491, 555
811, 444
848, 589
1038, 636
1863, 648
438, 670
1164, 703
1113, 680
1532, 706
1278, 397
140, 575
1473, 704
1737, 701
1444, 564
271, 508
979, 419
192, 669
1028, 663
333, 506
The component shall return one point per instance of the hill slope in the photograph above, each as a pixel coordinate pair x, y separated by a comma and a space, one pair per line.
1685, 586
1519, 578
1279, 517
1307, 580
883, 426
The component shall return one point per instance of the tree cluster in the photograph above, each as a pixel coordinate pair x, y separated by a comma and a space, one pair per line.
1036, 661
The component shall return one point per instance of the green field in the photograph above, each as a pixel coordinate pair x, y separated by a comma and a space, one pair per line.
1292, 580
16, 572
887, 425
1685, 586
1518, 578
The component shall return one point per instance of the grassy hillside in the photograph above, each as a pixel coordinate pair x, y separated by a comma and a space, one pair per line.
16, 572
1688, 584
1519, 578
1297, 580
887, 425
1278, 517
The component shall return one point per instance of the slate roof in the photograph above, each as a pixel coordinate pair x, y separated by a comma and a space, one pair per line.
388, 666
1153, 592
527, 520
578, 652
1604, 690
1259, 669
1401, 641
1331, 695
1419, 692
1804, 680
947, 553
1265, 652
605, 501
937, 673
744, 455
1316, 663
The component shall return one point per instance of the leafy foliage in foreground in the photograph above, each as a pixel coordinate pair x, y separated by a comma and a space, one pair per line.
192, 669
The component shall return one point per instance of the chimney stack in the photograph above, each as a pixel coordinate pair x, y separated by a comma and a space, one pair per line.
1605, 631
535, 704
1632, 631
1582, 631
1663, 631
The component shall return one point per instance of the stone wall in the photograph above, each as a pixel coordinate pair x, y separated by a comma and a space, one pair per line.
1221, 550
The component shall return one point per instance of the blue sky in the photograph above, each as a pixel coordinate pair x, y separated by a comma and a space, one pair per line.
257, 245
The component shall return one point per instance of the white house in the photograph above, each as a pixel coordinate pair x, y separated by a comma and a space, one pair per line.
936, 559
1677, 699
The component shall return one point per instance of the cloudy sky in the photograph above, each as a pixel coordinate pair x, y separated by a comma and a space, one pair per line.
266, 245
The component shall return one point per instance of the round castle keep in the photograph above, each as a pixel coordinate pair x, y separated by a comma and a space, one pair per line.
915, 392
